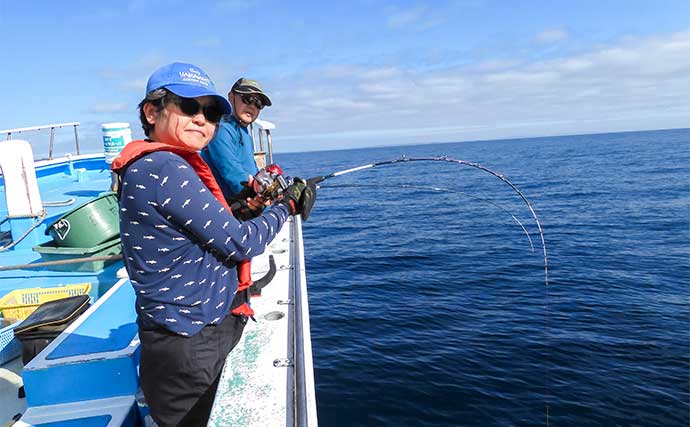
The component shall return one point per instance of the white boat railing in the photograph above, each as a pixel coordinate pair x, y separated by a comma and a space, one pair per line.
52, 127
263, 126
304, 410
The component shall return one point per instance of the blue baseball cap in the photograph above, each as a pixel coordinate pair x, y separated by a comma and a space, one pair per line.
187, 81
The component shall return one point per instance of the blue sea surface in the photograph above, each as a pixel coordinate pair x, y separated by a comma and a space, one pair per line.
428, 308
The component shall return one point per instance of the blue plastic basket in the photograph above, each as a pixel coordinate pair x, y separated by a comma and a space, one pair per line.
10, 347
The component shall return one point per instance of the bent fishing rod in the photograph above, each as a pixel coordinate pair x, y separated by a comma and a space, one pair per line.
503, 178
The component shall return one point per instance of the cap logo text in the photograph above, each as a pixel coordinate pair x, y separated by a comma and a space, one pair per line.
193, 75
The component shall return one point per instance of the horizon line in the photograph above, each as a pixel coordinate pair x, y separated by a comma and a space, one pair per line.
485, 140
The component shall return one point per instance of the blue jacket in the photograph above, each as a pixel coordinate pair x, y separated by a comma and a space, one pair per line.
177, 239
230, 155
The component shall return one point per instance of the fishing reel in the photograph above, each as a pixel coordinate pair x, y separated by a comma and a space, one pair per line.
269, 182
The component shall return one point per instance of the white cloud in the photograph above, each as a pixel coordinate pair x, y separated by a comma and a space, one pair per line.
420, 17
496, 64
632, 84
639, 83
133, 77
111, 108
210, 42
551, 35
403, 18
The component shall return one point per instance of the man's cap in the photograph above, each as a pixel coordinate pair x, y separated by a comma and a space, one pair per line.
187, 81
249, 86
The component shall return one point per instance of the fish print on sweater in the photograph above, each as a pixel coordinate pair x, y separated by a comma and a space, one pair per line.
179, 241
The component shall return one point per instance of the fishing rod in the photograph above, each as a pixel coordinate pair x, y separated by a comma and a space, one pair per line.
503, 178
440, 189
405, 159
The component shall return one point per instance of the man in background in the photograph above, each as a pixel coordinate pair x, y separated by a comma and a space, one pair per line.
230, 154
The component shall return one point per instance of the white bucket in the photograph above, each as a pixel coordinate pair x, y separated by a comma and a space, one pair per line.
115, 137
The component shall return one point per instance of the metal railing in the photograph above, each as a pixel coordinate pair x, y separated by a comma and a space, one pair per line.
263, 127
303, 410
52, 127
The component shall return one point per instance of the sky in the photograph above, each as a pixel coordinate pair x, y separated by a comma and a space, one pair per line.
359, 73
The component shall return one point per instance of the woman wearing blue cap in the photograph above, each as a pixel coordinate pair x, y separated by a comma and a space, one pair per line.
182, 246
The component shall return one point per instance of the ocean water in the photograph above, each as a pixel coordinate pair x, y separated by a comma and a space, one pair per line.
428, 308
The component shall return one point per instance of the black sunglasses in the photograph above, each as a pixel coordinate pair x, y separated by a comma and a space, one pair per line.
252, 99
191, 107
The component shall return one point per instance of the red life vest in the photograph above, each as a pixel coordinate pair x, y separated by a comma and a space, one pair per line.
137, 149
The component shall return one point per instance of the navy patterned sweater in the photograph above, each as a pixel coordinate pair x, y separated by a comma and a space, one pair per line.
180, 243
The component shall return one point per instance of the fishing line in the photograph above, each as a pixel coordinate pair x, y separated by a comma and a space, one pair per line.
503, 178
438, 189
405, 159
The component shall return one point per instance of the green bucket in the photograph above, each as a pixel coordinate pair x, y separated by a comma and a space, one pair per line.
87, 225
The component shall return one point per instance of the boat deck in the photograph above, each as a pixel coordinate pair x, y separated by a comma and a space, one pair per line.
59, 183
268, 378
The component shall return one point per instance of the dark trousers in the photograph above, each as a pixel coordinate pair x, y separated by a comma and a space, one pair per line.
179, 375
